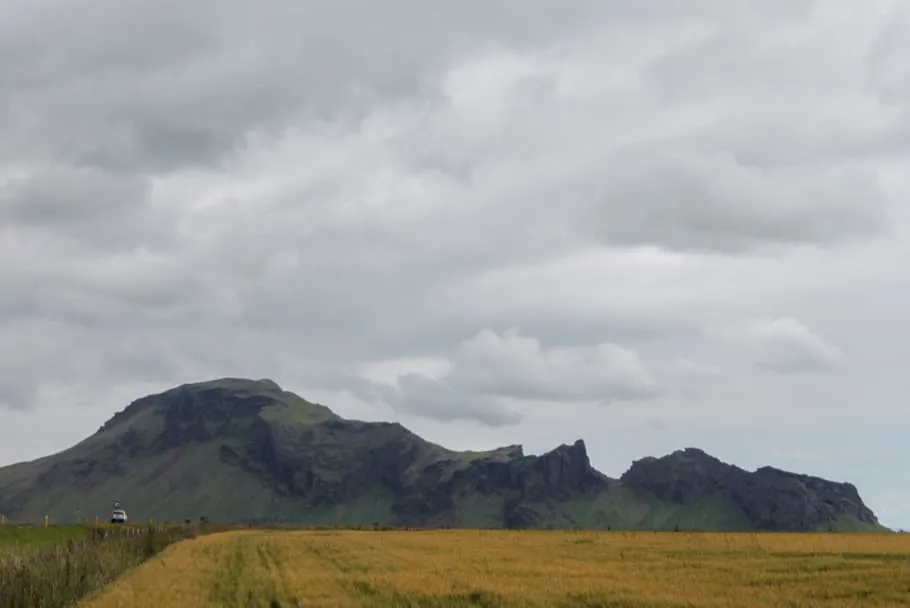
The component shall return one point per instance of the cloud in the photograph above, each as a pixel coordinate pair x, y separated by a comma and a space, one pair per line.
512, 364
374, 201
491, 368
786, 346
696, 369
684, 201
440, 400
296, 190
80, 208
69, 194
188, 82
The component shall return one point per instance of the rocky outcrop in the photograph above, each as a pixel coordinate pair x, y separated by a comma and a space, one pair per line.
519, 480
770, 498
567, 470
778, 500
683, 477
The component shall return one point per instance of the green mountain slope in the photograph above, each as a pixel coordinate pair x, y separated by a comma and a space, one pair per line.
245, 450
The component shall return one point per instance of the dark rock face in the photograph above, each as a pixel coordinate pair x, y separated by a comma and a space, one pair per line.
779, 500
197, 416
568, 470
331, 462
556, 475
770, 498
683, 477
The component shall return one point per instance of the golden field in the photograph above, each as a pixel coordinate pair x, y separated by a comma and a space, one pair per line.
511, 568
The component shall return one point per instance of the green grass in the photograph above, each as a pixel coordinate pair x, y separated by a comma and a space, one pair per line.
847, 523
619, 508
19, 539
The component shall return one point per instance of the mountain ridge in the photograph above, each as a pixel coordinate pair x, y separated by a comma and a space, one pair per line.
234, 449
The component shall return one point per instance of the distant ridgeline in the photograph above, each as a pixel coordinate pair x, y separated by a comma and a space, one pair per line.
246, 450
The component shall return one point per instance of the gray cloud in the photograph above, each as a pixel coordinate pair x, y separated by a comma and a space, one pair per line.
685, 201
514, 365
33, 349
296, 190
438, 399
160, 86
786, 346
84, 207
490, 368
67, 194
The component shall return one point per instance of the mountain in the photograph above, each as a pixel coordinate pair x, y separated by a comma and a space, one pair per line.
246, 450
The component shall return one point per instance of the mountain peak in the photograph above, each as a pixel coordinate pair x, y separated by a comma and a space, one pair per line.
220, 399
577, 451
232, 383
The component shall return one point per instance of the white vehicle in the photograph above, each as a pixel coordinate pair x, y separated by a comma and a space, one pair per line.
118, 516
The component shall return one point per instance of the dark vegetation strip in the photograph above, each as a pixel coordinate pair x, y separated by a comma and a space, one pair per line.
60, 576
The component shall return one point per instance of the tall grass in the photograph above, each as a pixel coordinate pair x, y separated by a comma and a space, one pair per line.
61, 575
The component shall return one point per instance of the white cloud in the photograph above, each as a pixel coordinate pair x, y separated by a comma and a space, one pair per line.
685, 200
517, 365
389, 371
785, 346
441, 400
490, 372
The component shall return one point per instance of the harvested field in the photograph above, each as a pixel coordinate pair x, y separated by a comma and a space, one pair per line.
510, 568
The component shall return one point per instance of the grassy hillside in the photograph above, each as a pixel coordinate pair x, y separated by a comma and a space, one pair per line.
168, 468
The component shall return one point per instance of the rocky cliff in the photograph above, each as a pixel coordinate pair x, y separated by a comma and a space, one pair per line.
770, 499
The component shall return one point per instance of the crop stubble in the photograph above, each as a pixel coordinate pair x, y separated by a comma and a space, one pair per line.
527, 568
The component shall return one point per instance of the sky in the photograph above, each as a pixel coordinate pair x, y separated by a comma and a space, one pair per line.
651, 225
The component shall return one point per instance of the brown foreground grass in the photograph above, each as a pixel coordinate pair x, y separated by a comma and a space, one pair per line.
56, 566
506, 568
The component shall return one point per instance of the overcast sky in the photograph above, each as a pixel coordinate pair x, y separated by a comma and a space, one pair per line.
651, 224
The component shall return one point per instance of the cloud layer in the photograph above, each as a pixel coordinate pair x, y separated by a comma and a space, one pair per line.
653, 222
